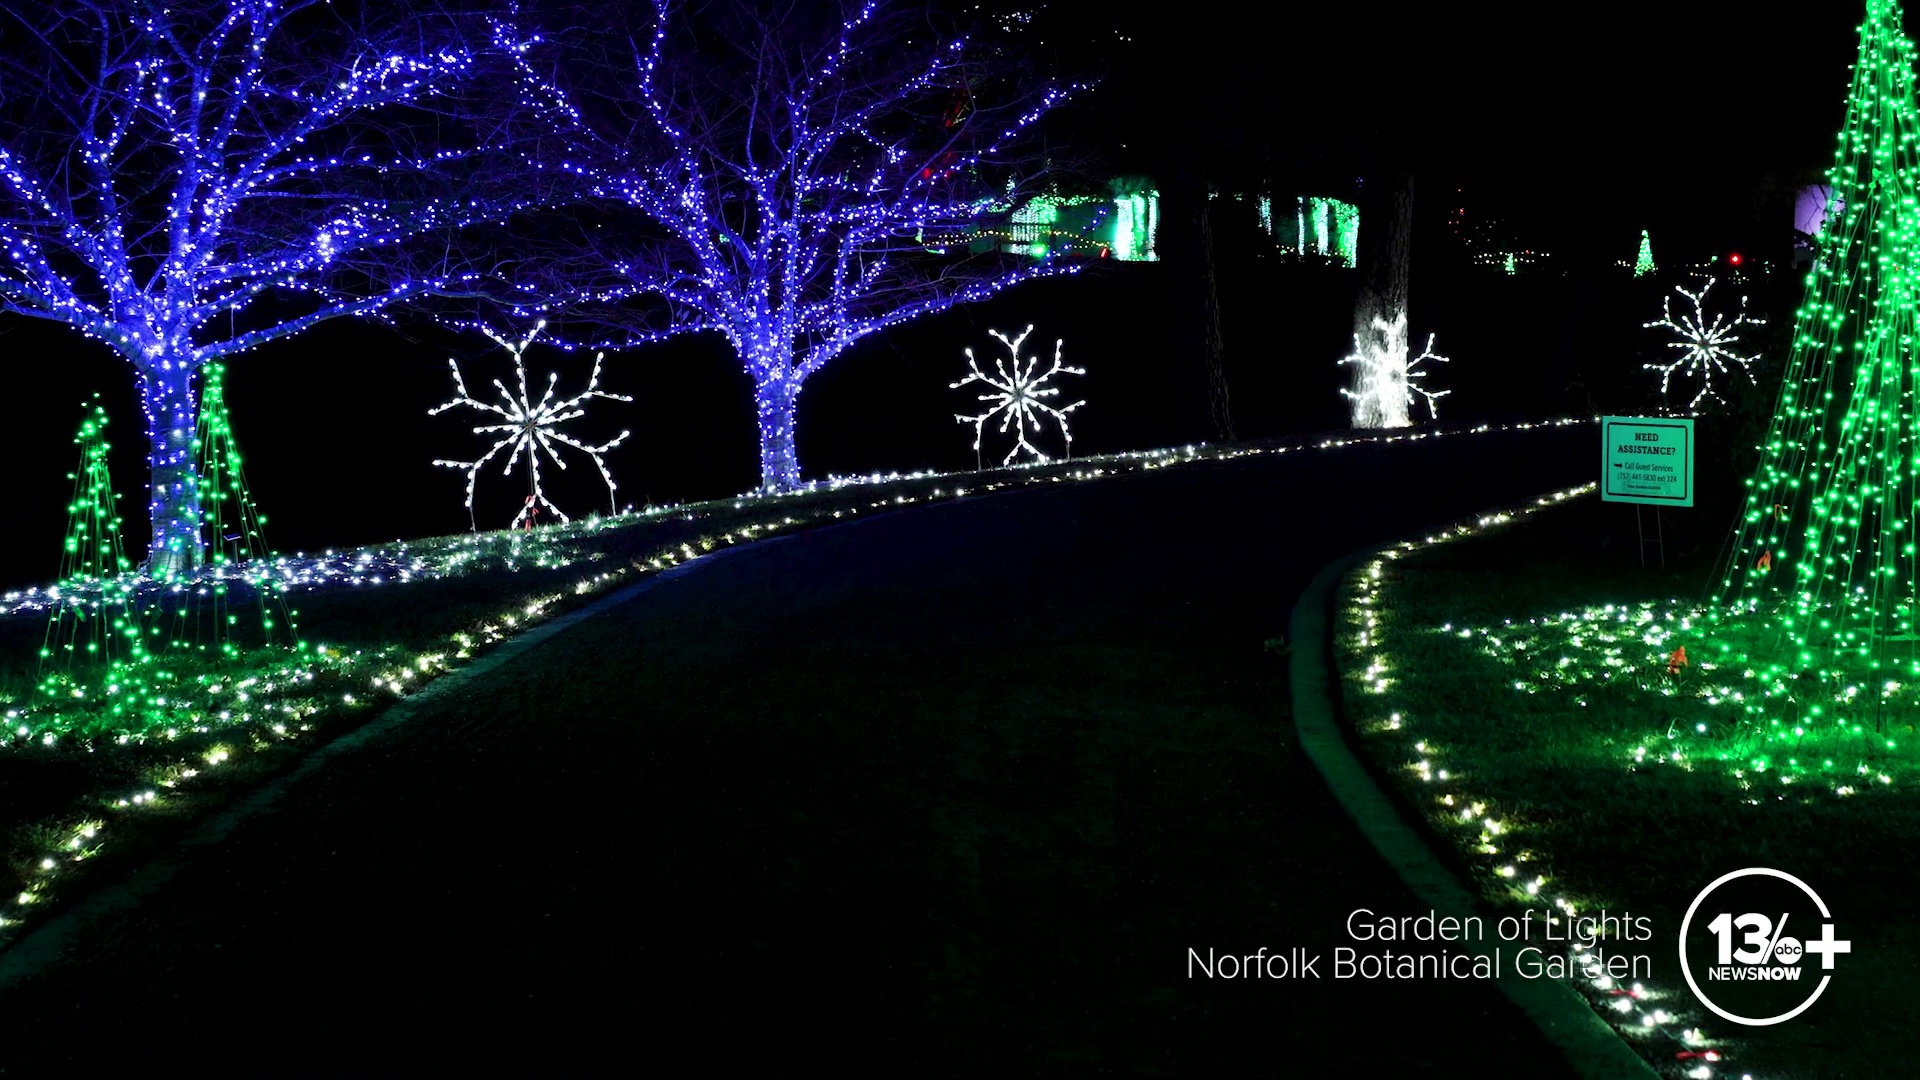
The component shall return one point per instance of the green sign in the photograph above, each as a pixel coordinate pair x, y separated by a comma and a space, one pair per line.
1646, 460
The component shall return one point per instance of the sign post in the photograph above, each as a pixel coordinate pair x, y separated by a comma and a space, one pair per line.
1647, 461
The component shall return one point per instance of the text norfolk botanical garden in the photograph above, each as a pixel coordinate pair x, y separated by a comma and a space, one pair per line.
1542, 943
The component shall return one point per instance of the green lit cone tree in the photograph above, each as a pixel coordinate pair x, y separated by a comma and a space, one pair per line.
235, 601
130, 654
1817, 595
94, 618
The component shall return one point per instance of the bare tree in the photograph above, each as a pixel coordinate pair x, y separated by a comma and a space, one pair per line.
805, 183
185, 180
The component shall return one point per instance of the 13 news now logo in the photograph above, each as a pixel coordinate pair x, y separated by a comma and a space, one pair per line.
1739, 957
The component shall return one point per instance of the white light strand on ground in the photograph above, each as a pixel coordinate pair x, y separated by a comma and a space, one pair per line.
1492, 838
278, 706
401, 562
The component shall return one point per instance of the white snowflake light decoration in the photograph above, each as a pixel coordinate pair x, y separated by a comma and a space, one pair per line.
1415, 375
1388, 381
530, 427
1015, 395
1706, 348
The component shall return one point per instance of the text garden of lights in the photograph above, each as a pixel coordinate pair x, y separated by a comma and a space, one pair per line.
1796, 675
1490, 840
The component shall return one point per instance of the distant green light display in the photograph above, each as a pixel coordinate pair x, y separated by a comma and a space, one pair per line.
1328, 228
1136, 221
1123, 226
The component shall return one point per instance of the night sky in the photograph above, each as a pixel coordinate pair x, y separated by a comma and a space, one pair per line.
1675, 113
1576, 126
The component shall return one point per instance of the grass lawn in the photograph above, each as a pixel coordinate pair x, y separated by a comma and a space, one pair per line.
1516, 683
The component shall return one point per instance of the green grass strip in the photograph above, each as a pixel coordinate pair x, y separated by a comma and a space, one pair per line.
1594, 1049
44, 944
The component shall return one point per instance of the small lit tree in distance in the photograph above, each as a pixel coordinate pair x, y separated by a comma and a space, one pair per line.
188, 181
807, 182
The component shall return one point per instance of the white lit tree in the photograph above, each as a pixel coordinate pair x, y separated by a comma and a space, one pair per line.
1380, 394
1385, 380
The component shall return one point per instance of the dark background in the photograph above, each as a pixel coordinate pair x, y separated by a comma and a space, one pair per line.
1572, 131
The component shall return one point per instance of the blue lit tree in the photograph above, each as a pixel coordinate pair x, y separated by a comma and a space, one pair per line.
188, 180
808, 183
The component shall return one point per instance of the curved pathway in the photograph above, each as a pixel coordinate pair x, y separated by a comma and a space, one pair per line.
948, 792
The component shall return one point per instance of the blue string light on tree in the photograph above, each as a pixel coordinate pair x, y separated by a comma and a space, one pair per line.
794, 239
1014, 393
530, 427
188, 182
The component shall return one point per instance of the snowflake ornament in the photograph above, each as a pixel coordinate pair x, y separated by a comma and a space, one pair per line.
1015, 394
1415, 375
530, 427
1387, 381
1706, 348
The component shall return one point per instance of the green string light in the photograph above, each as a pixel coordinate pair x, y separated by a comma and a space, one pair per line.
237, 554
125, 652
95, 619
1136, 222
1818, 592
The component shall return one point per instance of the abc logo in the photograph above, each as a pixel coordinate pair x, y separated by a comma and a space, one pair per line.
1788, 950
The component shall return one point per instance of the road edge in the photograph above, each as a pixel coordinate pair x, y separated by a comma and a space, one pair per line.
1594, 1049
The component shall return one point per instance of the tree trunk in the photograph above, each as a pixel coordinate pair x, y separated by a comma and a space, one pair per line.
1213, 344
1379, 393
173, 505
775, 399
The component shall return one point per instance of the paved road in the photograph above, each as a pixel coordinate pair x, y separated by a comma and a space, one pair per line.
949, 792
